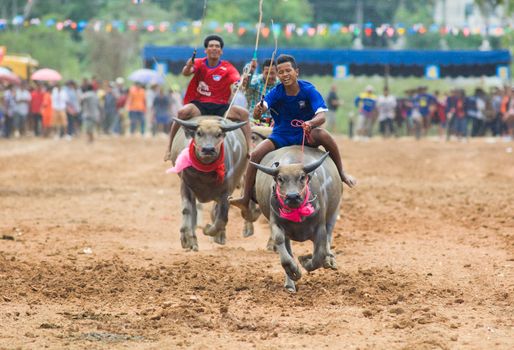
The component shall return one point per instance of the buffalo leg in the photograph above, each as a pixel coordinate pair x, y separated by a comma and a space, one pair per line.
289, 283
217, 228
291, 268
187, 230
317, 260
330, 228
248, 229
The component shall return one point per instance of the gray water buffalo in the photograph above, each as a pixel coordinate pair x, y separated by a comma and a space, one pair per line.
301, 202
209, 178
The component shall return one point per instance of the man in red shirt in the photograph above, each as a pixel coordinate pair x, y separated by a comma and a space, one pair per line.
210, 89
36, 103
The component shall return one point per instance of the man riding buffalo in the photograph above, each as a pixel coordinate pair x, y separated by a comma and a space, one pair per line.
209, 90
290, 102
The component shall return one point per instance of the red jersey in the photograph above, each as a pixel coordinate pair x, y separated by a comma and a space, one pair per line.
211, 84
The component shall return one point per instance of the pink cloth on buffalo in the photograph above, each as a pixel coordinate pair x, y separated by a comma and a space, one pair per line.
183, 161
295, 214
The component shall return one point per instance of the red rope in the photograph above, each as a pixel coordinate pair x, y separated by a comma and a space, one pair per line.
298, 123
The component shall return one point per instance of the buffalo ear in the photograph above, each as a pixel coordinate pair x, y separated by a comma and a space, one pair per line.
309, 168
275, 165
270, 171
188, 125
225, 127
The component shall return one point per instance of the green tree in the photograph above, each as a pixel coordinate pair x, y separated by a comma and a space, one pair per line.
345, 11
53, 49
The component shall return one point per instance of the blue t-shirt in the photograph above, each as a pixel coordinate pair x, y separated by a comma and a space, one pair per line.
423, 102
283, 108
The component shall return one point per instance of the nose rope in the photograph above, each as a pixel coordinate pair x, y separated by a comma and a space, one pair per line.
283, 196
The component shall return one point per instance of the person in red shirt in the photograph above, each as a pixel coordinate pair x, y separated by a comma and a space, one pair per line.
36, 104
210, 89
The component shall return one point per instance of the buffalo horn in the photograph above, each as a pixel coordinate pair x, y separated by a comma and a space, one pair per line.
232, 126
269, 171
314, 165
186, 124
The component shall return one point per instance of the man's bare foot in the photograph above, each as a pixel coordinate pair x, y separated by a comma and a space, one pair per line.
349, 180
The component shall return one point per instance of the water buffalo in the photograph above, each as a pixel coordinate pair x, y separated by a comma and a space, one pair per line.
217, 153
301, 203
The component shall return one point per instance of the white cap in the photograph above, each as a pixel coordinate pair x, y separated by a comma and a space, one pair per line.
369, 88
120, 80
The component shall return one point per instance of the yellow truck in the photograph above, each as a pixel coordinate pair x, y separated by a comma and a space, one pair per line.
21, 65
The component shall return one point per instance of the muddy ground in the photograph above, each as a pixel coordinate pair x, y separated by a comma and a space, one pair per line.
90, 254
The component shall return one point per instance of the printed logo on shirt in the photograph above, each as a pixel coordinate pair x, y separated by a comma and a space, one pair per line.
216, 77
223, 68
302, 104
203, 89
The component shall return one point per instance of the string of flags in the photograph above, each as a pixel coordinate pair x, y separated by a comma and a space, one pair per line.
287, 29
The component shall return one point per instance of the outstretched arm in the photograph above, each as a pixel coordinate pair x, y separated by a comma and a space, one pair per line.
189, 68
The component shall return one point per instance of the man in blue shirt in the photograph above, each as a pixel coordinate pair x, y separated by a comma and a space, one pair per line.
290, 100
366, 102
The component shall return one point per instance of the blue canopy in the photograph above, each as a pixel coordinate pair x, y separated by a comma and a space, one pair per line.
330, 56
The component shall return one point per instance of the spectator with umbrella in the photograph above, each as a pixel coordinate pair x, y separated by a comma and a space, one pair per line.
47, 111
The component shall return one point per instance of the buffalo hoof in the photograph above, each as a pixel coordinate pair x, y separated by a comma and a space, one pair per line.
306, 261
189, 243
290, 285
248, 229
330, 263
183, 240
292, 271
220, 238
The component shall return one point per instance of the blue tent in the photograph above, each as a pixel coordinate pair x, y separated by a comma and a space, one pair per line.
359, 62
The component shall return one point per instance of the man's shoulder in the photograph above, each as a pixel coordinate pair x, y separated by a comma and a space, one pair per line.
227, 65
307, 86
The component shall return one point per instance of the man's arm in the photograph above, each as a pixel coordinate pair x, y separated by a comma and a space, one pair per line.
189, 68
318, 120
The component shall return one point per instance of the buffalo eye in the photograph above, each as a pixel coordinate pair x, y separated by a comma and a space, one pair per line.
302, 177
218, 135
199, 133
280, 179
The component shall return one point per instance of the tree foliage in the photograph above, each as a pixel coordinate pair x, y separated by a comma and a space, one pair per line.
111, 53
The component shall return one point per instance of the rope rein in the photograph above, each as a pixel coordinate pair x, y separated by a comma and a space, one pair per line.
298, 123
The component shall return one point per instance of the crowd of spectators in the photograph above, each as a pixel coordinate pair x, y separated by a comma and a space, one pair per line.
64, 111
454, 114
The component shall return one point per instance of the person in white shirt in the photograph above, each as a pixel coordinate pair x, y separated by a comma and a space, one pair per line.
386, 105
22, 99
60, 120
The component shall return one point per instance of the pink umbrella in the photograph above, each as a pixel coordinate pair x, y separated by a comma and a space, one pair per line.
46, 74
8, 76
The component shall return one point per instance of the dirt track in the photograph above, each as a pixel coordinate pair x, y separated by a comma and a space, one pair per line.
90, 255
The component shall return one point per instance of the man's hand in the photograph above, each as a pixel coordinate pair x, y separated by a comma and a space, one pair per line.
258, 110
307, 127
